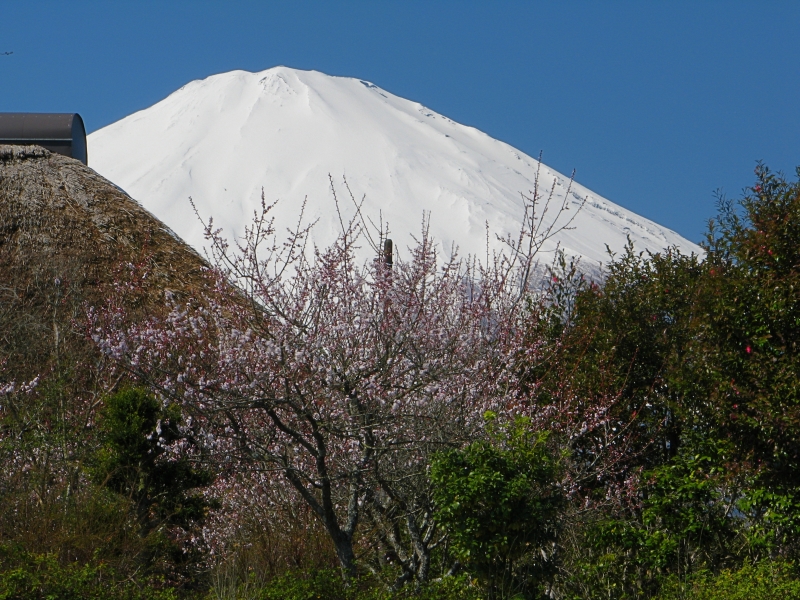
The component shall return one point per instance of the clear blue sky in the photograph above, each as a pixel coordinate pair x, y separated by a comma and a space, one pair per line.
655, 104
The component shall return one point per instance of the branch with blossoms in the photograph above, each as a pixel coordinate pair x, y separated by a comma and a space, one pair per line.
338, 378
342, 380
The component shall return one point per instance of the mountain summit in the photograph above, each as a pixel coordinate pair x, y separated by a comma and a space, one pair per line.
222, 139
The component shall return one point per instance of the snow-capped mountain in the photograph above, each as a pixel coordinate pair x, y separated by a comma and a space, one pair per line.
222, 139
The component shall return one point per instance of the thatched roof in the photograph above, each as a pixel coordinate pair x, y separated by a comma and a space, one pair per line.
56, 211
65, 235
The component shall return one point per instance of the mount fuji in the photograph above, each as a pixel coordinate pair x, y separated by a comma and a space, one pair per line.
223, 139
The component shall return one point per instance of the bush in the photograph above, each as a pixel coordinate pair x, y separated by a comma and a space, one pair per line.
162, 487
763, 581
26, 576
328, 585
136, 432
499, 503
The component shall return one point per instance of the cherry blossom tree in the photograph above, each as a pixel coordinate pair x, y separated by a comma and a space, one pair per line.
340, 378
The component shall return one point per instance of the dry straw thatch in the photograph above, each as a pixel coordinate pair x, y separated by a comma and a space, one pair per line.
66, 234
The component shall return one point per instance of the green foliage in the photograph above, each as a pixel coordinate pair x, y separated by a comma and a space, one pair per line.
162, 488
763, 581
683, 526
328, 585
499, 503
136, 431
629, 339
701, 358
684, 514
325, 585
25, 576
696, 360
773, 520
750, 328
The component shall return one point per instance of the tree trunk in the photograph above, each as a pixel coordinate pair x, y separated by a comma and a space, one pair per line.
345, 554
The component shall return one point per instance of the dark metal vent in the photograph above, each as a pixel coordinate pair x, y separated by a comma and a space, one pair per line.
62, 133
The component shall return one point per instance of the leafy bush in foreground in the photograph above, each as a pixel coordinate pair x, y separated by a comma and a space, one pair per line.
25, 576
764, 581
499, 502
328, 585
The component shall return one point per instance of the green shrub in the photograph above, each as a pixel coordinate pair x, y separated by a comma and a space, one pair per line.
328, 585
500, 505
135, 431
163, 491
764, 581
25, 576
325, 585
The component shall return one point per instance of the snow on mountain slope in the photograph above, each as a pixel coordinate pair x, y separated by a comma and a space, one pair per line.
221, 139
